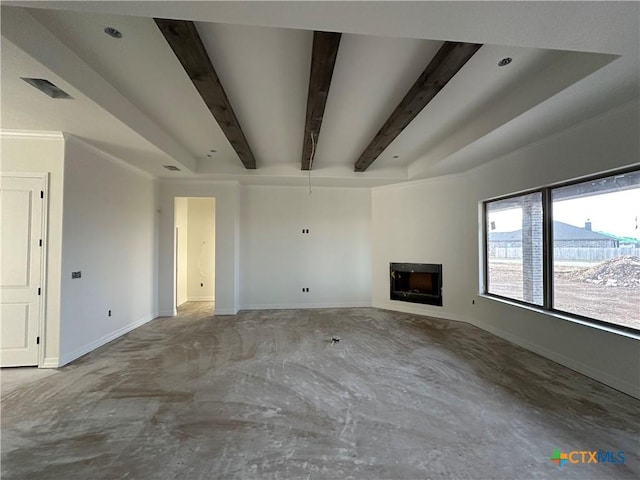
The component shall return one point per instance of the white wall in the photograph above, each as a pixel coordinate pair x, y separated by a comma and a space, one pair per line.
226, 245
441, 220
425, 222
182, 253
43, 153
278, 260
201, 250
109, 234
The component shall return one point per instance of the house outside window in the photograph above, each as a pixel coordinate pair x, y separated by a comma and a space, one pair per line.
573, 248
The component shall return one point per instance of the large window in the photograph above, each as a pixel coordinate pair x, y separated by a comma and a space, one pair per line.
515, 248
573, 248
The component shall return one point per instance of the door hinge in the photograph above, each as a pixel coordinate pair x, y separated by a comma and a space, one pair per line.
38, 290
37, 340
40, 242
41, 193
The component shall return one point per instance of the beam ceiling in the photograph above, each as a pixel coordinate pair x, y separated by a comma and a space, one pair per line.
447, 62
185, 42
323, 59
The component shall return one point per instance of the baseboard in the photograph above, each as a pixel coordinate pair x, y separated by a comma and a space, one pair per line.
79, 352
301, 306
168, 313
50, 362
589, 371
206, 298
406, 307
573, 364
224, 311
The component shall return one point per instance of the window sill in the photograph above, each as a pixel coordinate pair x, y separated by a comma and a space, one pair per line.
563, 316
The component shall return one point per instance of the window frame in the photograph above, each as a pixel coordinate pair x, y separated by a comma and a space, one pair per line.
547, 251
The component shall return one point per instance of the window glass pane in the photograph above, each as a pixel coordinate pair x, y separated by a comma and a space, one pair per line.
514, 243
596, 249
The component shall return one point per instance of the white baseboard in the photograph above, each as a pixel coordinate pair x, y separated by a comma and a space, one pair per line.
301, 306
424, 310
168, 313
79, 352
224, 311
205, 298
573, 364
50, 362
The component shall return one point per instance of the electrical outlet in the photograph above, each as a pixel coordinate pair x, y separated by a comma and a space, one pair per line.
473, 302
109, 312
202, 284
305, 289
76, 274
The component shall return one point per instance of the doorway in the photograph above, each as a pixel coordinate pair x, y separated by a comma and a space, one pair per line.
195, 247
23, 218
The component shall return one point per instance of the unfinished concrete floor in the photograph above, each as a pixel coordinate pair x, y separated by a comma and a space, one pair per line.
266, 394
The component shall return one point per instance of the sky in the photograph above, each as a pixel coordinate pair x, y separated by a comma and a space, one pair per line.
617, 213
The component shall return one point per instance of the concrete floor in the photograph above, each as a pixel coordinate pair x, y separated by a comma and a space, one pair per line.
266, 394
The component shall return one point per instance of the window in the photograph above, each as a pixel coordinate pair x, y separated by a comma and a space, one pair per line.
573, 248
515, 248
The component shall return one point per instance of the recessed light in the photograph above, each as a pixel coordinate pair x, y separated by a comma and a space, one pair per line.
112, 32
505, 61
173, 168
46, 87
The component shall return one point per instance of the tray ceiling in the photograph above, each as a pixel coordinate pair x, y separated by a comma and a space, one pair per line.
134, 99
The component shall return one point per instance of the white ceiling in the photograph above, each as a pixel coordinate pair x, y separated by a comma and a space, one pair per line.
133, 99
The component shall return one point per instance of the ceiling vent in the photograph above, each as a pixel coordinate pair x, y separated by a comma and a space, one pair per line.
46, 87
173, 168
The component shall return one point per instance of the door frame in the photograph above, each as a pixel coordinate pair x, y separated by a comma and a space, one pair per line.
42, 330
176, 245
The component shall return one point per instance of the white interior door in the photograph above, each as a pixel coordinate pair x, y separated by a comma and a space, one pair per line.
21, 223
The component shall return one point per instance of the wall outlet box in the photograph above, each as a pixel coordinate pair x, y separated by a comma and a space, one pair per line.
76, 274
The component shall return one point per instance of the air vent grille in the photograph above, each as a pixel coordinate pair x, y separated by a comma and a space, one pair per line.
173, 168
48, 88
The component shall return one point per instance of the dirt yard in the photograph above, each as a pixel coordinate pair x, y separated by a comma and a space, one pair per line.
608, 291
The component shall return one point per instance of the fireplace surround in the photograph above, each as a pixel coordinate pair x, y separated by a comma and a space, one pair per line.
416, 282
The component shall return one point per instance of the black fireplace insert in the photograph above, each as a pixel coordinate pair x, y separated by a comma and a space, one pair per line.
416, 282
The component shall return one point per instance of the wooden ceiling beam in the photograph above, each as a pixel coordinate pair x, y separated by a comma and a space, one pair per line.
184, 40
447, 62
323, 59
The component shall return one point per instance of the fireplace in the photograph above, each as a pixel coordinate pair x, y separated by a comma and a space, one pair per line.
416, 282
